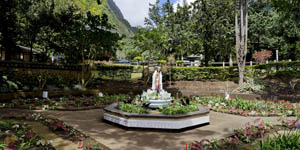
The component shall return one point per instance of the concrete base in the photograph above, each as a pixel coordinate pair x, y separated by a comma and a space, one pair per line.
156, 121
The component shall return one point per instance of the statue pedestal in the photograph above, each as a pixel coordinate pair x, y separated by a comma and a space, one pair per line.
159, 103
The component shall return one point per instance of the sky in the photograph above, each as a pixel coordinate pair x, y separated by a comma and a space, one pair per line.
135, 11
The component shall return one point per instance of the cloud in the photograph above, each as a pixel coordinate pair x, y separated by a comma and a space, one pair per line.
180, 2
134, 11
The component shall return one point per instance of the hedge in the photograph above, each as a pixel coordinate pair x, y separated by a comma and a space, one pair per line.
272, 70
278, 69
115, 71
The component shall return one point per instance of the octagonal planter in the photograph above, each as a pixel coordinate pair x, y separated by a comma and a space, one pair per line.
156, 121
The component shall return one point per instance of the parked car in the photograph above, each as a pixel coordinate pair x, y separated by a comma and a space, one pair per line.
122, 61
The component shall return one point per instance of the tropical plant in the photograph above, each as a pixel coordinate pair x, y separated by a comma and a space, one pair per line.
289, 140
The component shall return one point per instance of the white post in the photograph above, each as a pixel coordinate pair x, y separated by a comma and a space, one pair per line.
251, 63
223, 64
267, 62
52, 59
277, 58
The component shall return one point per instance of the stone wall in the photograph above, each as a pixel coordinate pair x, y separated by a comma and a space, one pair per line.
178, 88
199, 87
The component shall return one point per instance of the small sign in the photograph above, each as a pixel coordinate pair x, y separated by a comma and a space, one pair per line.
45, 94
100, 94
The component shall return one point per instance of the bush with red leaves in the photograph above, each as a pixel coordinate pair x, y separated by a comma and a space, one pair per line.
262, 56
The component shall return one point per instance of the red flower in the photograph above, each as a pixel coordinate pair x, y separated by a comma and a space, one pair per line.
31, 135
80, 144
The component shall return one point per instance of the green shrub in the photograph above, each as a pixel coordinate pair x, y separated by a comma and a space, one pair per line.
161, 61
137, 69
179, 62
177, 109
131, 108
115, 71
7, 85
254, 74
287, 141
137, 58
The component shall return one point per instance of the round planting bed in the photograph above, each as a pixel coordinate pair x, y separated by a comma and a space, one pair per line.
156, 121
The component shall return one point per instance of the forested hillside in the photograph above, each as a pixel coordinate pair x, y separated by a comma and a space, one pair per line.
116, 18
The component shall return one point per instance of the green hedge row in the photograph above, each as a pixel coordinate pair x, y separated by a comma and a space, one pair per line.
295, 65
122, 72
287, 69
277, 70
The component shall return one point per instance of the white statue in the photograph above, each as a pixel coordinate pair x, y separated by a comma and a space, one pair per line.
157, 80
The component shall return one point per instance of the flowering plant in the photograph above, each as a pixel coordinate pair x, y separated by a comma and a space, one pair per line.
155, 95
250, 108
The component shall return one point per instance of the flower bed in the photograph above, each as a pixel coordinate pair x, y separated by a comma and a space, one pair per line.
178, 106
14, 135
65, 103
60, 128
250, 108
259, 136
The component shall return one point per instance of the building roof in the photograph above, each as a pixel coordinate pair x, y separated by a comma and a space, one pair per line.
27, 49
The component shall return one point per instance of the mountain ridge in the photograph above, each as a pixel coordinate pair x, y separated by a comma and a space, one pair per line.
117, 19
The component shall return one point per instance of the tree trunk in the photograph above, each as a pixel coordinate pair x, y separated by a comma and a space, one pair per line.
241, 29
230, 60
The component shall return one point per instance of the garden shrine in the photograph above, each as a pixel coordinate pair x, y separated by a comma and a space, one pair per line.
156, 99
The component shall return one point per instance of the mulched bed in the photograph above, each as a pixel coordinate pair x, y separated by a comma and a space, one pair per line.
247, 138
70, 103
58, 127
250, 108
15, 135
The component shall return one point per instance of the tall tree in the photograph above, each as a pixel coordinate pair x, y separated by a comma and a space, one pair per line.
211, 22
241, 31
9, 25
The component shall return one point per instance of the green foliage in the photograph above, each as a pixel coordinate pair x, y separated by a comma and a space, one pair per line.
179, 109
179, 62
7, 85
161, 61
245, 107
212, 21
137, 58
20, 136
116, 18
290, 140
26, 80
131, 108
252, 84
114, 71
137, 69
